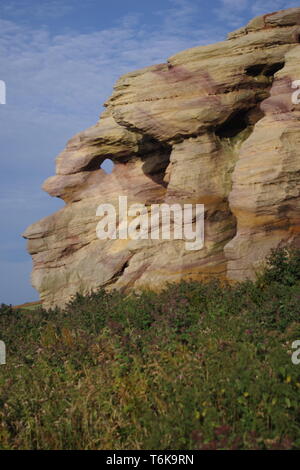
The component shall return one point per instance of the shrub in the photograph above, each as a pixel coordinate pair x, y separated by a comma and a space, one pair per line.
196, 366
283, 266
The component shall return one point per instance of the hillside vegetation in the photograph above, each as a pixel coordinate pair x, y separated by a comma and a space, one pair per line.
197, 366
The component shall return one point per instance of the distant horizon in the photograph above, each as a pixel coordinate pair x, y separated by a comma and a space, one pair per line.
59, 62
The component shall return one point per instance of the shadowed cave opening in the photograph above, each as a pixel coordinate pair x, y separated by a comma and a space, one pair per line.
155, 156
264, 69
156, 163
236, 123
242, 119
272, 69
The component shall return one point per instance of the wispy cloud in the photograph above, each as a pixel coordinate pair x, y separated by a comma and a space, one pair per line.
38, 9
59, 82
233, 11
263, 7
73, 71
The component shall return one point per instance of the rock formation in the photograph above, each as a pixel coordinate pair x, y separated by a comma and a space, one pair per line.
214, 125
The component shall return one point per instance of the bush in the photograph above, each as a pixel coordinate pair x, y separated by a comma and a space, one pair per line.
283, 266
196, 366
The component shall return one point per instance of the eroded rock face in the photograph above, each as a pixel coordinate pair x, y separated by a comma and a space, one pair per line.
215, 125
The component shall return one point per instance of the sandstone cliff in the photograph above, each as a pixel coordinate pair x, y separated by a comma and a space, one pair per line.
214, 125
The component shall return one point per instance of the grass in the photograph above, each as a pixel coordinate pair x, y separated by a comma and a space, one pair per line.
197, 366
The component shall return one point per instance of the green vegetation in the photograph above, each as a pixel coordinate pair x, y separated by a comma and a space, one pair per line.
197, 366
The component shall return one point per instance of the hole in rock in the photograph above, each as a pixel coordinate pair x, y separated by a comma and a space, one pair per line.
107, 165
254, 70
236, 123
264, 69
272, 69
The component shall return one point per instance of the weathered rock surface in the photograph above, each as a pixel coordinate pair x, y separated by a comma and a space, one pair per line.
215, 125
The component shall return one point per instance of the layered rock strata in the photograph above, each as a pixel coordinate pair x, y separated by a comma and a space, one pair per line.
216, 125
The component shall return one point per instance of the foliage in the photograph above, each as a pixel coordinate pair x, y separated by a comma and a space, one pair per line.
283, 266
196, 366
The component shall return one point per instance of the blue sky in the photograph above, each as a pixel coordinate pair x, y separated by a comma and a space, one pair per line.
60, 59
